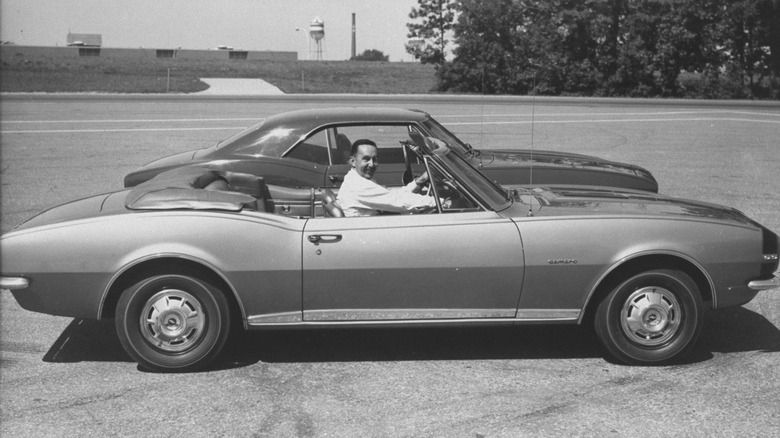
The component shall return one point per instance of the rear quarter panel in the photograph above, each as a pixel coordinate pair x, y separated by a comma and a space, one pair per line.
71, 265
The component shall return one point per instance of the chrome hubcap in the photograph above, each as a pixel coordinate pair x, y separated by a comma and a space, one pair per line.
172, 320
650, 316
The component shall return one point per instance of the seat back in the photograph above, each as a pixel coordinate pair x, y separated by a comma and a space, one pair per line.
343, 149
240, 182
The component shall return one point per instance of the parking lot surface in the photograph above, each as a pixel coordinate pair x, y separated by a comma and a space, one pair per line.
66, 377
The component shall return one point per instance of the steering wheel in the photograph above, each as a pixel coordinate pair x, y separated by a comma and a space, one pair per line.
407, 176
447, 189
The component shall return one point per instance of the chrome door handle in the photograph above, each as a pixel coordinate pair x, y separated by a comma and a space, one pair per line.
324, 238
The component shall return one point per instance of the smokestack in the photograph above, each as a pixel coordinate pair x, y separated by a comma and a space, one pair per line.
353, 36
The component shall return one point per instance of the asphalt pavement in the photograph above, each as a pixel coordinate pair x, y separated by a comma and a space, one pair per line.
70, 377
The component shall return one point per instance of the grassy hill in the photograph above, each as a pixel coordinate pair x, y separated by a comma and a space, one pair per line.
122, 75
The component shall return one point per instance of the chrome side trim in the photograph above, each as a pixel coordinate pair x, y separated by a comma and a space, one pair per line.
548, 314
393, 323
275, 318
14, 283
404, 314
760, 285
415, 317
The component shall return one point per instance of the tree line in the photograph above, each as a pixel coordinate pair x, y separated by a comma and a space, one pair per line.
722, 49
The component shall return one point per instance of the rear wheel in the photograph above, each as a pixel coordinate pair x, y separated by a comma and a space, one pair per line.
173, 322
651, 318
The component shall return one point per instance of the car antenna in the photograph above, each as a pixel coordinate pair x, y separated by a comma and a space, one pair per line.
531, 176
482, 121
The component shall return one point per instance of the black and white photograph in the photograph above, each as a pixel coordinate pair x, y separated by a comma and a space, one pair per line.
419, 218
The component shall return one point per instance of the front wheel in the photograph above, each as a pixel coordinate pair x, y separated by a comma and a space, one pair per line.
172, 322
651, 318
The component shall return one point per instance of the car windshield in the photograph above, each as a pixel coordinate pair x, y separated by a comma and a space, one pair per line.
477, 181
445, 135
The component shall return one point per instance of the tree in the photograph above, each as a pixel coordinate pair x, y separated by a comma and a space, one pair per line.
520, 47
750, 30
371, 55
428, 41
769, 11
484, 38
642, 48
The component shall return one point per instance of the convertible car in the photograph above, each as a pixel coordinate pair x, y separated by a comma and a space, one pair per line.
185, 257
311, 147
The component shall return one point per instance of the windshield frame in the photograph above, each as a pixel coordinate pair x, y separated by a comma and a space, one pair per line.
439, 131
488, 190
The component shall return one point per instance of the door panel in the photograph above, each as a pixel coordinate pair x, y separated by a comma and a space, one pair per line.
437, 266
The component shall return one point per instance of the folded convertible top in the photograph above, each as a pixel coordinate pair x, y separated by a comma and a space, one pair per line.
195, 188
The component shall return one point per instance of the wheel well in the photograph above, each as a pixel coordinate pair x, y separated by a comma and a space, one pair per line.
641, 264
165, 266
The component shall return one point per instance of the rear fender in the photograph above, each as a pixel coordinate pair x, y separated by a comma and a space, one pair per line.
146, 265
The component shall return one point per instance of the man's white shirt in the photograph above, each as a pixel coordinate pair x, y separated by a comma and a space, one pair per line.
360, 196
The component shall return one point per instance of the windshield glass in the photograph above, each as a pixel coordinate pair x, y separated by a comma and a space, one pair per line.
488, 190
478, 182
442, 133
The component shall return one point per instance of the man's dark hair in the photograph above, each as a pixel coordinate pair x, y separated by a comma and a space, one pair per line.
358, 143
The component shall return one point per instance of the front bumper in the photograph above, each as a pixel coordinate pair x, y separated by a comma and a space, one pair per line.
759, 285
14, 283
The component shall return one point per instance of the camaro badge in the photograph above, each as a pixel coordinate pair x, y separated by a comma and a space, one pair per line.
562, 261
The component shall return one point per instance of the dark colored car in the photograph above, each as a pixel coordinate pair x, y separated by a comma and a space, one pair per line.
310, 148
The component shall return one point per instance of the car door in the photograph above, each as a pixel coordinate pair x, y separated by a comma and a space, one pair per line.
462, 265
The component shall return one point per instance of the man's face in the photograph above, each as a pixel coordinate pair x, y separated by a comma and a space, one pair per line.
366, 160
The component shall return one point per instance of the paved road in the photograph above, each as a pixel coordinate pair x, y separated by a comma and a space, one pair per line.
63, 377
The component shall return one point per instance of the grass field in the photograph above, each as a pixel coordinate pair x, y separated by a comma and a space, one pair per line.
122, 75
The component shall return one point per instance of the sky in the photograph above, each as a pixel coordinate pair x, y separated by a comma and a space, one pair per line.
206, 24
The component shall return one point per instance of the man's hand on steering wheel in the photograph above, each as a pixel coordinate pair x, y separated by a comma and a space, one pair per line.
422, 181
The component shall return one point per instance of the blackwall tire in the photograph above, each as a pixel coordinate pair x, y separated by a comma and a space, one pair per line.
173, 322
651, 318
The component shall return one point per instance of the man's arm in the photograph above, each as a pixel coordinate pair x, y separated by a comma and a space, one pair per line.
370, 195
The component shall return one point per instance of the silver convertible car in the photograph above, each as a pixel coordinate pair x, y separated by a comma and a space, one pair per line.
192, 253
309, 148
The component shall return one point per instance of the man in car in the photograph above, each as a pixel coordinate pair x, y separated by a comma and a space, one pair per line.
360, 195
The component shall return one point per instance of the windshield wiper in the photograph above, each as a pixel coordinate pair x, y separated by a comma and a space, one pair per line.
471, 152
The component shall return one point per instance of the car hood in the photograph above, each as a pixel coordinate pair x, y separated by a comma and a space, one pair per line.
576, 201
491, 158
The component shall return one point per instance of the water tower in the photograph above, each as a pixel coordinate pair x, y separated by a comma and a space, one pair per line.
317, 33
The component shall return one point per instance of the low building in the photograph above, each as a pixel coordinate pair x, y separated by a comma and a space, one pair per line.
89, 50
